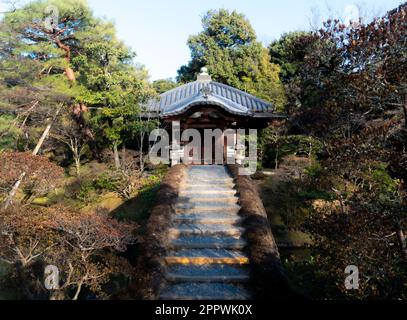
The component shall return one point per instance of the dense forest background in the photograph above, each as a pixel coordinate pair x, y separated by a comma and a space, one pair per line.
76, 185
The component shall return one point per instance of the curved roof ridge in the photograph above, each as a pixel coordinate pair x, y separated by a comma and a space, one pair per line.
242, 91
177, 98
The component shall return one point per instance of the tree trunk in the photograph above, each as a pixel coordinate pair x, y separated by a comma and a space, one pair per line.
68, 70
78, 166
141, 159
78, 290
16, 185
46, 132
141, 149
124, 157
74, 145
28, 113
42, 139
116, 156
13, 191
403, 241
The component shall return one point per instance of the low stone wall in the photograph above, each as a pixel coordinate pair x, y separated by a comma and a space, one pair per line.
155, 241
267, 273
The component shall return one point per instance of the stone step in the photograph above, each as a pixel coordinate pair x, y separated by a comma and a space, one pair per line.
207, 167
208, 198
204, 291
210, 167
207, 273
208, 185
217, 196
205, 229
206, 256
206, 189
209, 176
194, 192
231, 210
211, 173
207, 206
208, 179
207, 218
210, 242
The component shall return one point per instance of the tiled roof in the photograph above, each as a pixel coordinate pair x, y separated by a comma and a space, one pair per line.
201, 92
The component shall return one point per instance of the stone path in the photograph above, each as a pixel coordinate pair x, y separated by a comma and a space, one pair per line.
205, 259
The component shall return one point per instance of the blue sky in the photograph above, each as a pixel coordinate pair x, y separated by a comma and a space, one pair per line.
158, 29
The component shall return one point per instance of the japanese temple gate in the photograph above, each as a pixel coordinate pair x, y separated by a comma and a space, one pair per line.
205, 104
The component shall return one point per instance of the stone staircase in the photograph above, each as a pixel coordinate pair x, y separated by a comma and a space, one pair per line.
205, 258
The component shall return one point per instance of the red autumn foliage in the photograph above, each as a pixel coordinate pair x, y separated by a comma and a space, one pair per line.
351, 94
81, 245
41, 174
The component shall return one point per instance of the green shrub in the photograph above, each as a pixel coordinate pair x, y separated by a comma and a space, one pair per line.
273, 147
314, 170
105, 182
85, 191
384, 181
153, 179
280, 230
316, 194
384, 186
9, 133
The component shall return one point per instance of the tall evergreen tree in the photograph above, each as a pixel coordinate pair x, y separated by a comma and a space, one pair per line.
58, 51
228, 47
288, 52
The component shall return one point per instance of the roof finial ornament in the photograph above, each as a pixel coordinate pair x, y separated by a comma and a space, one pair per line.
204, 75
204, 71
